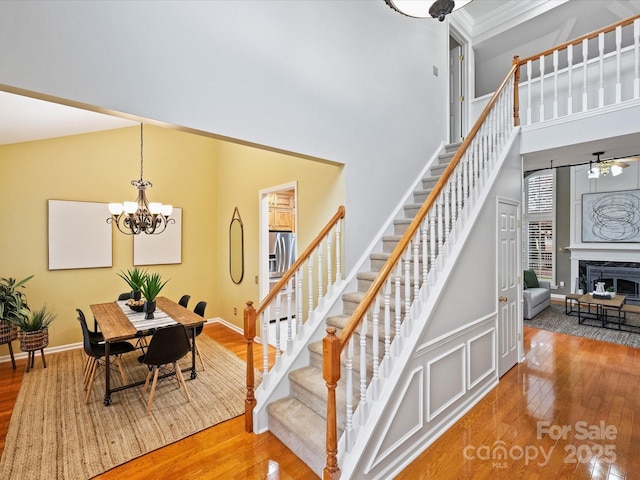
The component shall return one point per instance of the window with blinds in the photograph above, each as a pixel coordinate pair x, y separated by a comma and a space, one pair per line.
539, 216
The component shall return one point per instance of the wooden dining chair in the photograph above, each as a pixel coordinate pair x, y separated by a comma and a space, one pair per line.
167, 346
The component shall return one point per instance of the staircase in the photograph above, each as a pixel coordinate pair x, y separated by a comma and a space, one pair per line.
299, 420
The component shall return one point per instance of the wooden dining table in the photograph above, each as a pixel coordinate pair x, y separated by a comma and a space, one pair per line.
117, 324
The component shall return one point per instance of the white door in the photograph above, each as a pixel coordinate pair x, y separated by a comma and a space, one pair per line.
508, 318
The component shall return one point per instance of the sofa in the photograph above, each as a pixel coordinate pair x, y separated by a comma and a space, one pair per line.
536, 295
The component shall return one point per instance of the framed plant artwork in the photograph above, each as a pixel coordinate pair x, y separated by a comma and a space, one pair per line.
611, 217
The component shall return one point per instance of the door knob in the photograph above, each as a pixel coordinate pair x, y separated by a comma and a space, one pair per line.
502, 299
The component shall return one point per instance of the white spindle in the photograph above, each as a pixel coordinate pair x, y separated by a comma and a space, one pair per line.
416, 265
265, 342
363, 369
310, 278
277, 317
447, 211
618, 51
298, 280
529, 88
439, 215
329, 261
555, 84
338, 251
425, 250
398, 308
320, 277
348, 426
570, 79
585, 73
387, 321
407, 283
636, 50
601, 64
432, 236
375, 347
542, 118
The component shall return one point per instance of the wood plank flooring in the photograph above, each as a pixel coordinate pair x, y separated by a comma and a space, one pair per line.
564, 381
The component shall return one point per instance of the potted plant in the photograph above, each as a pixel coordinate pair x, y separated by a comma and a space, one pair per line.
13, 306
135, 278
34, 333
150, 289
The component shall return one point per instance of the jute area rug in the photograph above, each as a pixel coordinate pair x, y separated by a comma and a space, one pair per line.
553, 318
53, 434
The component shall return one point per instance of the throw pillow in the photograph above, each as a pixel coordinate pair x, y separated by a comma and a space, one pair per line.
531, 279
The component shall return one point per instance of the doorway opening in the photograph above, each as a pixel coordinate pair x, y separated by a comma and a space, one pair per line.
458, 88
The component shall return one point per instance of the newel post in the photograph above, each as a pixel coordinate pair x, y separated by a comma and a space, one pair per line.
249, 335
516, 93
331, 374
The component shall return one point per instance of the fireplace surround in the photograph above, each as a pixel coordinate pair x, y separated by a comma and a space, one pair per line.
624, 277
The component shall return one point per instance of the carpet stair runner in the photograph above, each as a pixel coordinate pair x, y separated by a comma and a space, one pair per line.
299, 420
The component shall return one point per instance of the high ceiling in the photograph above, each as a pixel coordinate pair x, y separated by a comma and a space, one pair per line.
501, 29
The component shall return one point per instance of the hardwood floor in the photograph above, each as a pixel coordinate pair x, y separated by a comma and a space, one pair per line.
564, 381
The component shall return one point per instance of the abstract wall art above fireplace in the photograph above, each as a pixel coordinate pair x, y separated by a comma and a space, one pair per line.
611, 216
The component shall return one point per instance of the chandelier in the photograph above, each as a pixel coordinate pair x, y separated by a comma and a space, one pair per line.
425, 8
141, 216
604, 167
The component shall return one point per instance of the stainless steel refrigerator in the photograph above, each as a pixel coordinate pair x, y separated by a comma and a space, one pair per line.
282, 254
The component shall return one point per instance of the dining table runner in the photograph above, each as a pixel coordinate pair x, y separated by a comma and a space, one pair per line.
160, 318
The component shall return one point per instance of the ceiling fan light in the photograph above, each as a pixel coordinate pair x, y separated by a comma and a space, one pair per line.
616, 170
593, 173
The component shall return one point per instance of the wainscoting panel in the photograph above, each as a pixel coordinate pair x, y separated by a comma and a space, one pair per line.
406, 418
446, 383
482, 361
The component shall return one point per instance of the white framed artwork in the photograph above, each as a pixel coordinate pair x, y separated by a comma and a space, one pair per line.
163, 248
79, 235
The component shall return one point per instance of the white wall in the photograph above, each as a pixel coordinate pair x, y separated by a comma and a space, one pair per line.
347, 81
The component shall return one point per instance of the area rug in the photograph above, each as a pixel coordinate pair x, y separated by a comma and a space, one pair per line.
553, 318
53, 434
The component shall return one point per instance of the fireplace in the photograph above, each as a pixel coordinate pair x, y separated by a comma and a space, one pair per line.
624, 277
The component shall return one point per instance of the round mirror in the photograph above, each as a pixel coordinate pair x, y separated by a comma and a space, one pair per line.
236, 248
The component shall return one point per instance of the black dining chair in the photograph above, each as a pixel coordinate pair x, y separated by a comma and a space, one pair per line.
124, 296
94, 337
199, 309
184, 300
96, 352
167, 346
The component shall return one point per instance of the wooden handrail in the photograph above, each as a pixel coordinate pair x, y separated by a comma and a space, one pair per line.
575, 41
385, 271
300, 260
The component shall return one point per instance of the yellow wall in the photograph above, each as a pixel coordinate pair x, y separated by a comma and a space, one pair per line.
207, 178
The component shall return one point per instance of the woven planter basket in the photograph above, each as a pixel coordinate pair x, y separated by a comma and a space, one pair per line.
30, 341
8, 332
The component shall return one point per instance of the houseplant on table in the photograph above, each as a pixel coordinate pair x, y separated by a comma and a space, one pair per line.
13, 304
150, 289
134, 277
34, 333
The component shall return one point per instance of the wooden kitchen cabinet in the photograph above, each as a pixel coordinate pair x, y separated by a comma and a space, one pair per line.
282, 211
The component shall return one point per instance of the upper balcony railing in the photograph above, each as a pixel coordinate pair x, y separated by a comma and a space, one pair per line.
596, 70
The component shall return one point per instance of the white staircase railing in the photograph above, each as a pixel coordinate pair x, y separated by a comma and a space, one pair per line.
596, 70
405, 279
292, 302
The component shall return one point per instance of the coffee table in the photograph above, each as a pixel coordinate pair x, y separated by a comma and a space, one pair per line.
603, 306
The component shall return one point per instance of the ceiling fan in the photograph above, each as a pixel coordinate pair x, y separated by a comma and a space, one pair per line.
608, 166
426, 8
597, 167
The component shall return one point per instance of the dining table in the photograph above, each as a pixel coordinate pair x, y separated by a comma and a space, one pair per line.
118, 322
